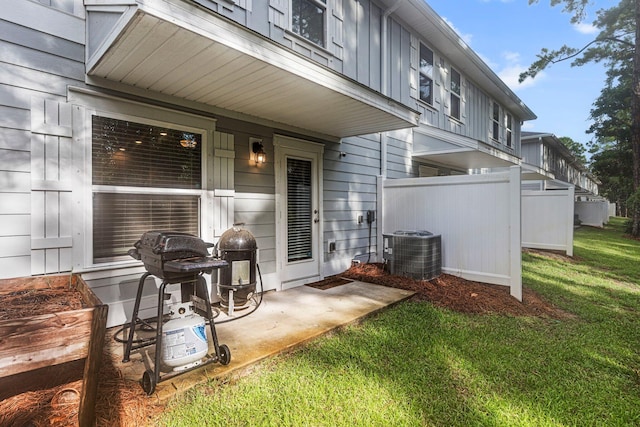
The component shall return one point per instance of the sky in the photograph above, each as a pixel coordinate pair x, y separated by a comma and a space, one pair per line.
508, 34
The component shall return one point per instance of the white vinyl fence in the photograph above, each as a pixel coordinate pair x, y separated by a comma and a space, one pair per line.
547, 220
594, 213
478, 217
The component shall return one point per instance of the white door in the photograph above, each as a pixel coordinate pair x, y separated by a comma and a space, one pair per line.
298, 210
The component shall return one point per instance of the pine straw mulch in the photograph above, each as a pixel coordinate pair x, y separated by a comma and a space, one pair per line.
459, 294
119, 402
122, 402
34, 302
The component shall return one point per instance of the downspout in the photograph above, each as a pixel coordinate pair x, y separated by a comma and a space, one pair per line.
384, 77
384, 57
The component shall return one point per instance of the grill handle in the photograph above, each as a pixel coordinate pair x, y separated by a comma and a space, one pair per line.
133, 253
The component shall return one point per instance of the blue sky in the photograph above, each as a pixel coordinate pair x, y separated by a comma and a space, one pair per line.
508, 34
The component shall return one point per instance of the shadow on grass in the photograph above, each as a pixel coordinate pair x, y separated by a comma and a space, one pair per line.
415, 364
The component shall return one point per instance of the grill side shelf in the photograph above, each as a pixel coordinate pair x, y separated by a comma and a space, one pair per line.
194, 265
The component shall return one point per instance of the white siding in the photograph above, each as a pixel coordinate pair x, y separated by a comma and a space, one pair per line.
40, 59
350, 190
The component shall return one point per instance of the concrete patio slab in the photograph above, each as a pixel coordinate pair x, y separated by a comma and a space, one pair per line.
282, 322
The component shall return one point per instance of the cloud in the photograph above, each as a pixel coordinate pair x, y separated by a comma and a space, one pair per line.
510, 72
584, 28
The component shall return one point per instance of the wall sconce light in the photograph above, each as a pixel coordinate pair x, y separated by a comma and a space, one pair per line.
259, 156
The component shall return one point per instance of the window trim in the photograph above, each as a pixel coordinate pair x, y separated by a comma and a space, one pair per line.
495, 121
325, 23
433, 65
505, 132
459, 96
508, 139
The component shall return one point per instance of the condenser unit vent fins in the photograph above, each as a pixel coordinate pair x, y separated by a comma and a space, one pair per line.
414, 254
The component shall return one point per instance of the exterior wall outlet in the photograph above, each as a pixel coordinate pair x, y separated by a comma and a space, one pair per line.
360, 219
331, 246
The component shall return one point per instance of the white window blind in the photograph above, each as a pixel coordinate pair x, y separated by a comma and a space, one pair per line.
127, 159
299, 217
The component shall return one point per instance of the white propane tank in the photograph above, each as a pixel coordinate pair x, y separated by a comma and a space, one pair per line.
184, 339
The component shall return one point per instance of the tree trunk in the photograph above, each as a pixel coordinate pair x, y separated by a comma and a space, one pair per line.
635, 126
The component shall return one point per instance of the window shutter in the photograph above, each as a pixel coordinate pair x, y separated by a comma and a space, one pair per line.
51, 186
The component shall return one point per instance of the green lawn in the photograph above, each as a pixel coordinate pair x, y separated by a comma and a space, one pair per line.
415, 365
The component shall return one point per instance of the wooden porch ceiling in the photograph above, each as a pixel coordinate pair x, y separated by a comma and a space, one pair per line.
189, 53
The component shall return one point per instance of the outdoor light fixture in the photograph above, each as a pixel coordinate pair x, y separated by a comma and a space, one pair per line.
259, 156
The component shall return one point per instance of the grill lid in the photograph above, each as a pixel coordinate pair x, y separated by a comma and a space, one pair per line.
237, 239
161, 242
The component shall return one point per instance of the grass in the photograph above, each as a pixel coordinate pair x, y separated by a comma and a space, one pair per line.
415, 365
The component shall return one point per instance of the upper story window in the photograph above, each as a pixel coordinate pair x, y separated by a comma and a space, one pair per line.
456, 93
509, 130
501, 125
426, 74
308, 19
495, 122
145, 177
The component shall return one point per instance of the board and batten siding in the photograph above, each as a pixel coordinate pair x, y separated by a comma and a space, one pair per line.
353, 38
40, 58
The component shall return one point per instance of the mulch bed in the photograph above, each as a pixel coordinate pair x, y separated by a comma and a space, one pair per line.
34, 302
120, 402
123, 402
459, 294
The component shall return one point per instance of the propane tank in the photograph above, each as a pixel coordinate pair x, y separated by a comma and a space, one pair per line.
184, 338
238, 247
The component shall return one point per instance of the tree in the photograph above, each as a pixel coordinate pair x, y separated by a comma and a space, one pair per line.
617, 45
576, 148
612, 156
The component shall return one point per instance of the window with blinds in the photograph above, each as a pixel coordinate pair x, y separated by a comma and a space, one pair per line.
120, 220
129, 159
299, 210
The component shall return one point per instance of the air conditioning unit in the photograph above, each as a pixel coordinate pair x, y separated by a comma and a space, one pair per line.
414, 254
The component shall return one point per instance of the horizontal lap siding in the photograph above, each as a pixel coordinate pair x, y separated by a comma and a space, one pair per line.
399, 149
255, 202
35, 66
349, 191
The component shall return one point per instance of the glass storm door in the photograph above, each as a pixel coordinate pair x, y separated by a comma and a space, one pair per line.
298, 211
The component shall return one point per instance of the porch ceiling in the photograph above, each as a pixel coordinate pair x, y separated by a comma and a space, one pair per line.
187, 52
534, 173
469, 158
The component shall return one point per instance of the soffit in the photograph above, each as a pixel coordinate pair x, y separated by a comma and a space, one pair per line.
183, 51
458, 151
468, 158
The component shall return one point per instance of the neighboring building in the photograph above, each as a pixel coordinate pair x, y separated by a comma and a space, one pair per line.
547, 152
121, 116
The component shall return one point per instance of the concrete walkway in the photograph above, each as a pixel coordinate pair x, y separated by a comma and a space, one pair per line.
283, 321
